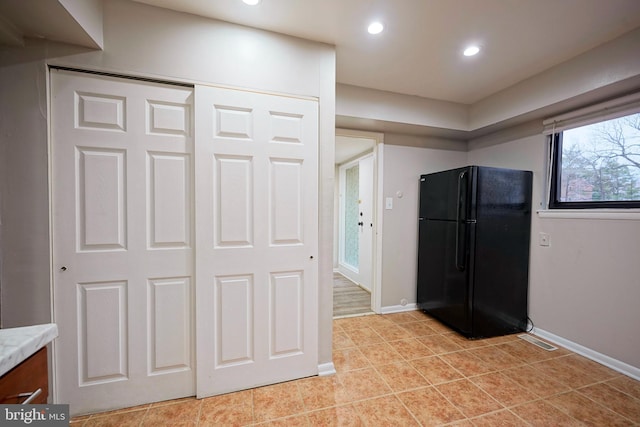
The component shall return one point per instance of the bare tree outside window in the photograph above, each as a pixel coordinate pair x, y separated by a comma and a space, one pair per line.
601, 162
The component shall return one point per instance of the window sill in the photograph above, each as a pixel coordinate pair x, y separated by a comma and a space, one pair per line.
607, 214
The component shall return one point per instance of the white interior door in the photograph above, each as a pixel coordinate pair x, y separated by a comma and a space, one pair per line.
257, 220
122, 196
356, 221
365, 252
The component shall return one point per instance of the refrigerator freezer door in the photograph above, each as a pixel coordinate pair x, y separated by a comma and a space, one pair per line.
445, 195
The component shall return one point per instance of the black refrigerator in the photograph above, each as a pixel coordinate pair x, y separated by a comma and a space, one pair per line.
473, 251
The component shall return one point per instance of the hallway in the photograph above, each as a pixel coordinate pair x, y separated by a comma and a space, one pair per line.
349, 298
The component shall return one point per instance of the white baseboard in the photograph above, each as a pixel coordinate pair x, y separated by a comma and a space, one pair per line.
603, 359
326, 369
398, 308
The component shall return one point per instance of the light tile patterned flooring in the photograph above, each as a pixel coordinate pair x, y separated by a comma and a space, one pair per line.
407, 369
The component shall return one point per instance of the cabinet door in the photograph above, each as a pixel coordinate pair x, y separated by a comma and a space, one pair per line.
28, 380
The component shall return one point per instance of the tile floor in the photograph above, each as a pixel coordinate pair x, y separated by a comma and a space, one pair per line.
407, 369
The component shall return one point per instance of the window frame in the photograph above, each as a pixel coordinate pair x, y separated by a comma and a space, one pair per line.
555, 142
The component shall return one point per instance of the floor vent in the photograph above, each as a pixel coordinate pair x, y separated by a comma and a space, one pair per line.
537, 342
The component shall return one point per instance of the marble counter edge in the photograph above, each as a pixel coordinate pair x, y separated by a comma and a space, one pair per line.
18, 344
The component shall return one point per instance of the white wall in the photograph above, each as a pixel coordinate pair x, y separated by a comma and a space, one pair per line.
587, 285
24, 212
403, 166
527, 153
147, 41
584, 287
156, 42
364, 103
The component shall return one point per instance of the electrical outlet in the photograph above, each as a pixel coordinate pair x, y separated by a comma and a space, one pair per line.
543, 239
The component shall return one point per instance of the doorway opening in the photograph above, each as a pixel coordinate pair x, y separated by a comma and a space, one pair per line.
356, 289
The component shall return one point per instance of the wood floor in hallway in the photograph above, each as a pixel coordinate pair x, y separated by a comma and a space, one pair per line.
349, 298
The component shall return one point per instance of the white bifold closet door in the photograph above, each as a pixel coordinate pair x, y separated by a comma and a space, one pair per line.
257, 239
171, 235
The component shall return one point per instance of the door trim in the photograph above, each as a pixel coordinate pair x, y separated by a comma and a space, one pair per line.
378, 167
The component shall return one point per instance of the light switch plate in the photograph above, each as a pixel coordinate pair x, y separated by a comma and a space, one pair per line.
388, 203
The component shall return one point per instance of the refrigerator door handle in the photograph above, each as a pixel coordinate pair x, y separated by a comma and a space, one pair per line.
459, 222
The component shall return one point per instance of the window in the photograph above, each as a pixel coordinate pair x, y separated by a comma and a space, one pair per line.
597, 165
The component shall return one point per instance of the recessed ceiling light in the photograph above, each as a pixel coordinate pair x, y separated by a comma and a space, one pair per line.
471, 50
251, 2
375, 28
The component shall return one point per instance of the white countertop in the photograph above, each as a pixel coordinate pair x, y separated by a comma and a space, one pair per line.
17, 344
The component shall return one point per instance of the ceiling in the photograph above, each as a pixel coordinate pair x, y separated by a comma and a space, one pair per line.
420, 51
350, 147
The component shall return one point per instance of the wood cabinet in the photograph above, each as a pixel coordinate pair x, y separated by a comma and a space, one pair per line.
29, 376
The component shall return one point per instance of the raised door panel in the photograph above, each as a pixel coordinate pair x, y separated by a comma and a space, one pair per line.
234, 327
100, 111
286, 308
101, 199
232, 122
169, 335
169, 197
286, 214
233, 201
102, 314
167, 118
